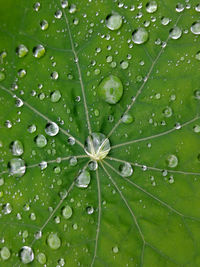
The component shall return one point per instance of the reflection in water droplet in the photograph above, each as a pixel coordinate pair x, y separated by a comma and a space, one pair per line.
140, 36
151, 6
83, 179
51, 129
195, 28
114, 21
175, 33
126, 169
22, 51
38, 51
53, 241
172, 161
26, 254
111, 89
17, 167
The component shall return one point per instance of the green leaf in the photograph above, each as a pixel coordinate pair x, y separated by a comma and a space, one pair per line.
131, 197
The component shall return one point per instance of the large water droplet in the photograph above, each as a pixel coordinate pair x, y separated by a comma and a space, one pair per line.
172, 161
22, 50
53, 241
126, 169
39, 51
175, 33
114, 21
151, 6
195, 28
97, 146
140, 36
51, 129
17, 148
111, 89
26, 254
17, 167
83, 179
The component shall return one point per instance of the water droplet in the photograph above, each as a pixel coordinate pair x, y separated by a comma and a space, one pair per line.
22, 51
197, 94
195, 28
126, 169
26, 254
44, 25
179, 7
93, 165
175, 33
41, 258
58, 14
17, 167
32, 128
111, 89
67, 212
197, 7
53, 241
21, 73
17, 148
127, 118
115, 249
7, 208
64, 3
90, 210
140, 36
165, 21
124, 65
167, 112
5, 253
2, 76
73, 161
196, 128
55, 96
197, 56
41, 140
97, 146
57, 170
71, 141
39, 51
83, 179
172, 161
36, 6
114, 21
54, 75
51, 129
72, 9
151, 6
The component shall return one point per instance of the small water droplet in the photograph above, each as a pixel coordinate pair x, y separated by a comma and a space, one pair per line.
67, 212
54, 75
195, 28
165, 21
22, 50
71, 141
72, 9
7, 208
83, 179
196, 128
64, 3
126, 169
32, 128
73, 161
175, 33
39, 51
17, 167
17, 148
93, 165
172, 161
5, 253
41, 258
55, 96
21, 73
58, 14
36, 6
127, 118
167, 112
41, 140
51, 129
124, 64
151, 6
44, 25
90, 210
115, 249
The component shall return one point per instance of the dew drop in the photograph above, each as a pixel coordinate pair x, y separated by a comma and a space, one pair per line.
22, 51
7, 208
41, 140
124, 65
41, 258
195, 28
83, 180
32, 128
93, 165
58, 14
197, 7
38, 51
196, 128
151, 6
165, 21
21, 73
36, 6
71, 141
5, 253
44, 25
197, 94
51, 129
54, 75
17, 167
72, 9
126, 169
55, 96
90, 210
140, 36
175, 33
172, 161
167, 112
67, 212
111, 89
2, 76
114, 21
127, 118
26, 254
73, 161
179, 7
53, 241
115, 249
17, 148
64, 3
